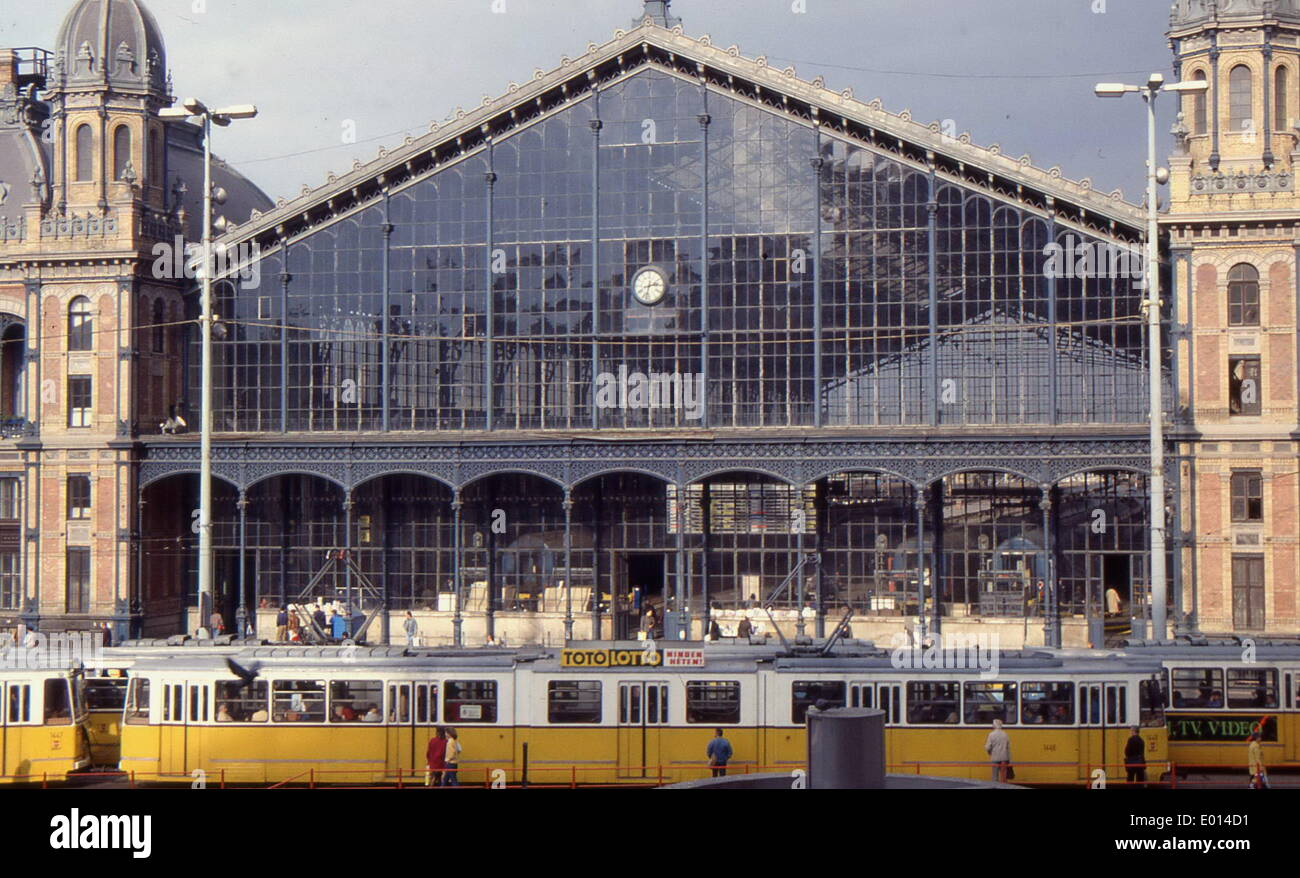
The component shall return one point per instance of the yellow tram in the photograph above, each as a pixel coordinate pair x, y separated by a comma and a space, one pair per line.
610, 715
1217, 694
42, 717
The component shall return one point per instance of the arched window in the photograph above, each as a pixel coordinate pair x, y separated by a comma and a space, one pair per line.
121, 150
1241, 89
81, 325
85, 155
1281, 100
1200, 124
1243, 296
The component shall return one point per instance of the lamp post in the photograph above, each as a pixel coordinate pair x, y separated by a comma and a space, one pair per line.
223, 117
1155, 177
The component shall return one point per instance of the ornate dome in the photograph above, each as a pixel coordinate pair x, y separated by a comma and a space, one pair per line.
111, 42
1187, 13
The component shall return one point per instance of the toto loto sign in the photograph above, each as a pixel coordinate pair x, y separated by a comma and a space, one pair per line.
610, 658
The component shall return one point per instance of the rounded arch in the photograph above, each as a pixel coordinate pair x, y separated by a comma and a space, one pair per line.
149, 480
84, 160
1200, 103
618, 471
510, 471
307, 473
121, 150
1090, 470
999, 470
742, 470
1243, 295
369, 480
1241, 98
872, 470
81, 325
1282, 98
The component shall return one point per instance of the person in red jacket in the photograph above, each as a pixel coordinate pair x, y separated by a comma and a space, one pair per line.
435, 759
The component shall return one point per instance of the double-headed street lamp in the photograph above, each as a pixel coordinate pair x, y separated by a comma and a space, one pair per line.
1155, 177
223, 117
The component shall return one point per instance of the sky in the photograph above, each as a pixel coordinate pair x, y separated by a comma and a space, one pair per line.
1018, 73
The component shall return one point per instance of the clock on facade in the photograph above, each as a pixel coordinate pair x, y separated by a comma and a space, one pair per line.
650, 285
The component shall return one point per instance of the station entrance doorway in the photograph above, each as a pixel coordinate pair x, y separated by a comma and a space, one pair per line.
644, 578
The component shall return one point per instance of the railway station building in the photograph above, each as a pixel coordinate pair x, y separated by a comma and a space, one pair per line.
664, 325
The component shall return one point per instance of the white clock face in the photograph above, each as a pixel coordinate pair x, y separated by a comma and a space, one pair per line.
650, 286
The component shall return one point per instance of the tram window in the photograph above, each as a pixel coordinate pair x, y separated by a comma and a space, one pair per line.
932, 703
20, 703
860, 696
573, 701
985, 702
1254, 688
1050, 704
137, 702
1116, 705
807, 693
298, 701
105, 694
172, 695
198, 704
426, 703
713, 702
1151, 703
58, 706
1197, 687
241, 703
471, 701
351, 701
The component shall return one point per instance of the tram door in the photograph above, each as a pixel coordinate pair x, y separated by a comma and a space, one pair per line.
1103, 719
412, 713
1287, 728
186, 712
642, 714
880, 696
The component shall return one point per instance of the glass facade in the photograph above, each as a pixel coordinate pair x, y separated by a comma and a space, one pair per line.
662, 255
482, 292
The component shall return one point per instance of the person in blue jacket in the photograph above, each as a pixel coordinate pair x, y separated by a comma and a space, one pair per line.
338, 627
719, 752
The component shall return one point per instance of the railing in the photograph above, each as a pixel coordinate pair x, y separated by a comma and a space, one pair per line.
1159, 775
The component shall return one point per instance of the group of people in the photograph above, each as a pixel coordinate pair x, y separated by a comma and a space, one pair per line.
334, 623
442, 758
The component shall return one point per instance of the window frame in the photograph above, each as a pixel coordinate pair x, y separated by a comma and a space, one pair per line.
1246, 493
562, 711
81, 325
728, 692
488, 716
81, 402
79, 488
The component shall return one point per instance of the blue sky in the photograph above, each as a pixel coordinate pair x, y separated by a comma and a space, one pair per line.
1014, 72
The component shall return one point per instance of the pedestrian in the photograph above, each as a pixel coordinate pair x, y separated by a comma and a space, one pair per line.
282, 625
451, 758
745, 629
107, 634
435, 759
715, 630
719, 752
338, 626
218, 625
294, 628
412, 629
1255, 762
1112, 602
998, 746
1135, 757
318, 616
649, 623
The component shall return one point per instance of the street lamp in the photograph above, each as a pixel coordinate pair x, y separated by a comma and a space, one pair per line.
223, 117
1155, 177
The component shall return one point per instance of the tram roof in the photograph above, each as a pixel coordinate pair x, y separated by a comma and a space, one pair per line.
1224, 649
